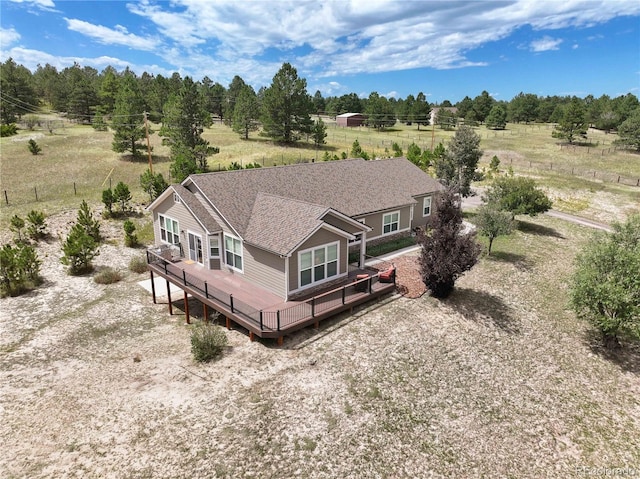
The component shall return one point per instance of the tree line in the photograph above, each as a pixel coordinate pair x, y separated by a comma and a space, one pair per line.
283, 110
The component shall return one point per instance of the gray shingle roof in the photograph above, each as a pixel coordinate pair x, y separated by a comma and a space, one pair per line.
353, 187
280, 224
190, 200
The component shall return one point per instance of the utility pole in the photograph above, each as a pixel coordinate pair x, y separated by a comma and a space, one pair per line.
146, 129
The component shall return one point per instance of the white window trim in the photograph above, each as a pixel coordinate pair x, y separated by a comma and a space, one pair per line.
217, 238
160, 228
391, 213
424, 205
233, 267
325, 279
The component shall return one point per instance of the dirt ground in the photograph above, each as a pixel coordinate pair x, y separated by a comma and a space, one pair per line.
499, 380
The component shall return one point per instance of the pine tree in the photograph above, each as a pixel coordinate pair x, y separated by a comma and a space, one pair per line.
286, 106
573, 122
128, 118
87, 223
246, 112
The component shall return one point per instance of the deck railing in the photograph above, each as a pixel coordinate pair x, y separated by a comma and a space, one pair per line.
271, 320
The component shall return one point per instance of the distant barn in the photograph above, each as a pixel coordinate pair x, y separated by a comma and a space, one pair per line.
350, 119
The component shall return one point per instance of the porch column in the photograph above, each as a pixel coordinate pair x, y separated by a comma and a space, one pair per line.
186, 307
153, 288
363, 248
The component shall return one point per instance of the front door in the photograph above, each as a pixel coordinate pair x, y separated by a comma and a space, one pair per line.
195, 248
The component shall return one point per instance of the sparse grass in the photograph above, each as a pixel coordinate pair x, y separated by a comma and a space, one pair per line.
138, 264
107, 275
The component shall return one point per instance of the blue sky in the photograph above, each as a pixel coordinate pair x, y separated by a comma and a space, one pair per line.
446, 49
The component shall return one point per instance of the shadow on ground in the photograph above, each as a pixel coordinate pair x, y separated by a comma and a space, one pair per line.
520, 261
484, 308
536, 229
626, 357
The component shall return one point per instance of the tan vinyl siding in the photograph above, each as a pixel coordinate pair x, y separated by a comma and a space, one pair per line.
374, 221
321, 237
180, 213
341, 224
418, 219
264, 269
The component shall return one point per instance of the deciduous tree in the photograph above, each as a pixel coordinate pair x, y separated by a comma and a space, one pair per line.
517, 195
492, 222
605, 287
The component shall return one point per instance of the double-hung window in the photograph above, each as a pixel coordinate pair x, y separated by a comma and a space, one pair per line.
426, 206
318, 264
390, 222
233, 252
169, 230
214, 247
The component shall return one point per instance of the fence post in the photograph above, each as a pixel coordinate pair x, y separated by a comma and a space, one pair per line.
36, 190
6, 198
75, 192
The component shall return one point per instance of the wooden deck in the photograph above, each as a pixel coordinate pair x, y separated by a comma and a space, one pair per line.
263, 313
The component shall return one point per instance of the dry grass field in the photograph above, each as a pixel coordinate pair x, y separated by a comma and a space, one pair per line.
499, 380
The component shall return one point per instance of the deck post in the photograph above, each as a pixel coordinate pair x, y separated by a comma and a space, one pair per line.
228, 323
251, 337
278, 318
313, 307
261, 326
280, 340
184, 277
370, 284
231, 301
186, 307
344, 292
206, 290
205, 312
169, 297
153, 288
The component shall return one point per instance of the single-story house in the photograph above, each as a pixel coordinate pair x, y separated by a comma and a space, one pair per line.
284, 233
434, 112
350, 119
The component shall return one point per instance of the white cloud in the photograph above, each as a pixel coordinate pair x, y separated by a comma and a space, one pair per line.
8, 36
545, 43
337, 37
43, 4
32, 58
108, 36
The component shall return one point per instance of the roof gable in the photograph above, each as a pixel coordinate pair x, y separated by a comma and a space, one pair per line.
353, 187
